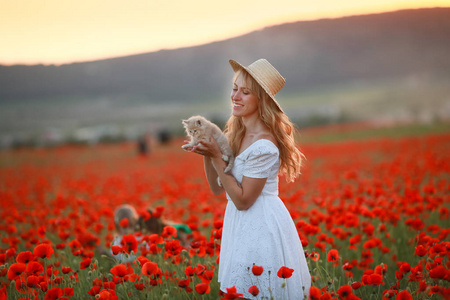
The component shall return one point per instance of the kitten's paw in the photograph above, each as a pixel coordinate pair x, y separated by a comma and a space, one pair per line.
228, 168
225, 158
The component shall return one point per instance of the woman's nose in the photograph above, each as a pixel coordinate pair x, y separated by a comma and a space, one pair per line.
235, 95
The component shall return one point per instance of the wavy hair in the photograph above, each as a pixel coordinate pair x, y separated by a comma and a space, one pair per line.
279, 125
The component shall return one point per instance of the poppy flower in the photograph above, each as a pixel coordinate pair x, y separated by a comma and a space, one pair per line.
121, 270
420, 251
53, 294
150, 268
124, 223
372, 279
15, 270
285, 272
25, 257
314, 293
33, 281
68, 291
333, 255
257, 270
218, 224
405, 267
404, 295
129, 243
116, 249
169, 231
66, 270
203, 288
232, 293
314, 256
438, 272
356, 285
41, 232
253, 290
345, 291
85, 263
34, 268
189, 271
184, 283
43, 251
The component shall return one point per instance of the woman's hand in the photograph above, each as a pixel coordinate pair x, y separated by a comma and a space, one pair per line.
209, 149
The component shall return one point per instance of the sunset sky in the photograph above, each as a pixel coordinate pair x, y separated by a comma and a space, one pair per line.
64, 31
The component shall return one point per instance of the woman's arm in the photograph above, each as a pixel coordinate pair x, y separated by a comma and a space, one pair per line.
211, 176
243, 195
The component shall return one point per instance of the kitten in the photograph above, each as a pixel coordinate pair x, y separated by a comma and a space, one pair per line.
198, 128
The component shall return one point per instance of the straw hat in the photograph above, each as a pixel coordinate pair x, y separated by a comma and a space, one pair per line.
265, 74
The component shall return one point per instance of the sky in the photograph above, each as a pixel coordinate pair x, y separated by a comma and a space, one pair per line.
65, 31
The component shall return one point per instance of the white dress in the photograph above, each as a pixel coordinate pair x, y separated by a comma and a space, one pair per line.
264, 235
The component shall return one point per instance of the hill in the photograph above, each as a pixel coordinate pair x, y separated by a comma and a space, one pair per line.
333, 68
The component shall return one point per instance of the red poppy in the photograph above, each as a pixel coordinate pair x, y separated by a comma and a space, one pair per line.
253, 290
150, 268
285, 272
356, 285
129, 243
184, 283
68, 291
85, 263
232, 293
218, 224
53, 294
404, 295
345, 291
169, 231
43, 251
121, 270
203, 288
41, 232
124, 223
314, 256
33, 281
66, 270
35, 268
405, 267
314, 293
15, 270
25, 257
438, 272
257, 270
374, 279
116, 249
421, 251
158, 211
333, 255
189, 271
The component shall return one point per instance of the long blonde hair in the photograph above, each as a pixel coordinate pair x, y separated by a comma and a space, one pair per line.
278, 123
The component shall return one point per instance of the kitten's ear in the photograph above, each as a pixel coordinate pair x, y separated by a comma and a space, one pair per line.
199, 123
184, 122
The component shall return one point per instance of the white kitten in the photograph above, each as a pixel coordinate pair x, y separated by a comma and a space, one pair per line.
198, 128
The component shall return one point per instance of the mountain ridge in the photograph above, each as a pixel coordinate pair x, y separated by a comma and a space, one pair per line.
326, 50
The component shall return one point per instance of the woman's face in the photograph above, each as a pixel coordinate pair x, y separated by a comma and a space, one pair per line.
245, 102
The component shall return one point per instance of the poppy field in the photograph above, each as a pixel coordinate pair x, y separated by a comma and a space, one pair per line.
372, 214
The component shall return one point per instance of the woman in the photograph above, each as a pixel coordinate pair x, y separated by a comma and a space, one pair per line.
258, 229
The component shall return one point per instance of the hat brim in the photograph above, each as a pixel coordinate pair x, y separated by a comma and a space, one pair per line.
237, 67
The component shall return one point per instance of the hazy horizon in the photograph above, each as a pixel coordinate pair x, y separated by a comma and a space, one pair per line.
62, 33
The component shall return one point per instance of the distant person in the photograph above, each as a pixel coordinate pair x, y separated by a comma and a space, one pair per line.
164, 136
257, 229
142, 145
125, 222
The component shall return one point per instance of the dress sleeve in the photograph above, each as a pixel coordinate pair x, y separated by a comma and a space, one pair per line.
260, 161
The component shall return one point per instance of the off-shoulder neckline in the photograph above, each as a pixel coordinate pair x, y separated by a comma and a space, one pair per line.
270, 142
